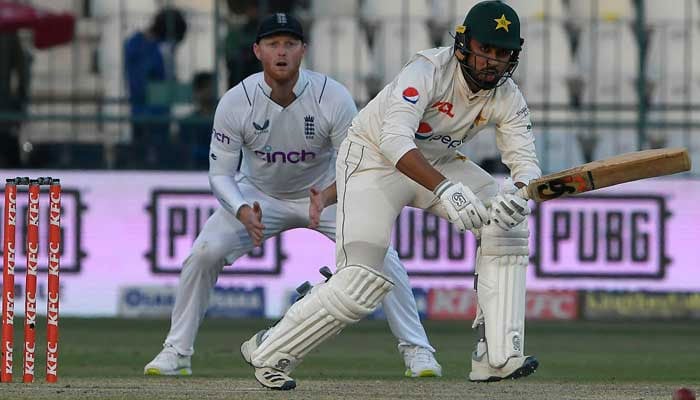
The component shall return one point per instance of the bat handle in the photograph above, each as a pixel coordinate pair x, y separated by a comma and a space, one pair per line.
522, 192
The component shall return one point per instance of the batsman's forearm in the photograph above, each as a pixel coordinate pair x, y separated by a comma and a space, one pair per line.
416, 167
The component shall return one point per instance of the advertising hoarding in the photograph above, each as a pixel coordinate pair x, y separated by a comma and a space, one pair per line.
133, 229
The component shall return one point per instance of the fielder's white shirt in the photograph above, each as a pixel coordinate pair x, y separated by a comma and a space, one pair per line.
286, 150
430, 107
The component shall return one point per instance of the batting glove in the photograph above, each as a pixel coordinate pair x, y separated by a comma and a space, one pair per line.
507, 208
464, 209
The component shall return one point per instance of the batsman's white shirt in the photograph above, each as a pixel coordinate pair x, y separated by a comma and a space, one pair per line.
429, 106
286, 151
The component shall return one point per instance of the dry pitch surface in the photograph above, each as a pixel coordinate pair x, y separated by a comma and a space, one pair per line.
104, 359
200, 388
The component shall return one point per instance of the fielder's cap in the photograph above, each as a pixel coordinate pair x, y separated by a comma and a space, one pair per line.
280, 23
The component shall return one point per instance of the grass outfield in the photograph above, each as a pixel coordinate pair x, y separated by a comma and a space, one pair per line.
104, 359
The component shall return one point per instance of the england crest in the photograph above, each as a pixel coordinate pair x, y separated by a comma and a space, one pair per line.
309, 127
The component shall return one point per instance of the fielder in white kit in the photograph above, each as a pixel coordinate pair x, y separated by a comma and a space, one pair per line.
401, 151
289, 123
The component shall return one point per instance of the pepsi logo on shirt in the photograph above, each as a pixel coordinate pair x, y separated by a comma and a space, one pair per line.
424, 132
411, 95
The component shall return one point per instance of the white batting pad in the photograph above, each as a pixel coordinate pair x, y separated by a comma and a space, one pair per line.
500, 266
350, 295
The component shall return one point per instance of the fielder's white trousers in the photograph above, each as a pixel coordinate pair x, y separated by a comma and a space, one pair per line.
224, 239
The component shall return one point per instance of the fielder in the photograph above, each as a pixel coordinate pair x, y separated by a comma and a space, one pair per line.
401, 151
289, 123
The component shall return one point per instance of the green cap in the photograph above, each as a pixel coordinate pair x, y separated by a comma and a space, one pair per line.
494, 23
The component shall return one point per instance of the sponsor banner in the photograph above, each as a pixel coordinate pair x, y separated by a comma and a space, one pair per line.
603, 236
421, 296
134, 229
456, 303
430, 246
236, 302
158, 301
146, 301
552, 305
461, 304
640, 305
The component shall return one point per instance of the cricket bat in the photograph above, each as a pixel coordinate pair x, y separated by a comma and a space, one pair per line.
594, 175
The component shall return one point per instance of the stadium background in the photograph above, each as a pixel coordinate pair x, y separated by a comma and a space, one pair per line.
601, 78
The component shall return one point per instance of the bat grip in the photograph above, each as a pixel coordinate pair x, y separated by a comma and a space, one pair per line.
522, 192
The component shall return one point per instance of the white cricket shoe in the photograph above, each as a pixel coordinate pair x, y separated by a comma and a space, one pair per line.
169, 362
274, 379
420, 362
516, 367
268, 377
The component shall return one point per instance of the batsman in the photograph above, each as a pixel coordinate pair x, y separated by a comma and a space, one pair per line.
401, 150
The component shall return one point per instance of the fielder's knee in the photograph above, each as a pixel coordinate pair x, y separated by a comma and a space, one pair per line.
207, 255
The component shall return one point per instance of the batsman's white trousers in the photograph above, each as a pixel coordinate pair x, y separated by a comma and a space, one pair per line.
372, 193
224, 239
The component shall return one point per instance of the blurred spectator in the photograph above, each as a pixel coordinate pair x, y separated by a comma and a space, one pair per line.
195, 129
587, 142
148, 58
14, 89
240, 60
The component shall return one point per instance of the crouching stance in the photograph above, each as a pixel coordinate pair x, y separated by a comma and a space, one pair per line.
307, 115
401, 151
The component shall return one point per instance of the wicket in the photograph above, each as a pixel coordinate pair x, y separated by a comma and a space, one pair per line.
8, 289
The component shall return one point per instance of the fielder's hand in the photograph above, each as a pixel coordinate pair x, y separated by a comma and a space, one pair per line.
251, 218
507, 208
316, 204
464, 209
